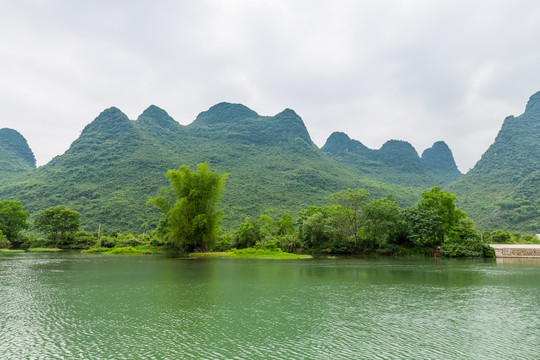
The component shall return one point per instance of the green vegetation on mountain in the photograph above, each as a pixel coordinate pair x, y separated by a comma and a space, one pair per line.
116, 165
439, 162
502, 190
396, 162
15, 154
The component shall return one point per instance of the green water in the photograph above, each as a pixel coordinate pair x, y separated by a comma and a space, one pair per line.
70, 306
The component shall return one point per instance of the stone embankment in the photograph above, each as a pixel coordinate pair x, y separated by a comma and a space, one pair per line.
512, 250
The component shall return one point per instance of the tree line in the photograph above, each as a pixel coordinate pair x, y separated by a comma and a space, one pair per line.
351, 223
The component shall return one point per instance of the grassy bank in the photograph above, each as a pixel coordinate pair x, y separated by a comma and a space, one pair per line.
41, 249
249, 253
122, 250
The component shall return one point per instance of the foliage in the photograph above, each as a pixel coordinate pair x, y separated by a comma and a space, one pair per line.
350, 201
125, 250
506, 237
12, 219
380, 220
503, 188
115, 165
4, 242
470, 248
16, 158
59, 223
193, 219
267, 250
43, 249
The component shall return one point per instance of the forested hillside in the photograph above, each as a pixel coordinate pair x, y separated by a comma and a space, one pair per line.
502, 190
117, 164
396, 162
15, 155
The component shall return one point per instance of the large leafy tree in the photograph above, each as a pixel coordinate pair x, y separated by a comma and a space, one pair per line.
59, 223
442, 204
380, 219
351, 201
191, 218
12, 218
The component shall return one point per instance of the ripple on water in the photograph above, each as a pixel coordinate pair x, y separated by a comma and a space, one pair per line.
151, 308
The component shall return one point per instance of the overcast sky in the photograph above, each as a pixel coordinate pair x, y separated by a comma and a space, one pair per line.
419, 71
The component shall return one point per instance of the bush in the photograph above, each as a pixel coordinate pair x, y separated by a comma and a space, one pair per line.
223, 244
34, 243
107, 242
467, 248
4, 243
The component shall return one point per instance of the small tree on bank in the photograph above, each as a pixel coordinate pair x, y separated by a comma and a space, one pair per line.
191, 219
12, 219
59, 223
351, 201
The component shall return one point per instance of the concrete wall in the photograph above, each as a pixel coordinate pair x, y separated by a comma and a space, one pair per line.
509, 250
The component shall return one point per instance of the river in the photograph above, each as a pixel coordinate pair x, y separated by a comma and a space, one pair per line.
72, 306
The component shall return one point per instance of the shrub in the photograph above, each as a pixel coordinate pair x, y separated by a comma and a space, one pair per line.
467, 248
4, 243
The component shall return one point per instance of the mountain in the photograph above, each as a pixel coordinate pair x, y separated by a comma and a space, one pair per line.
15, 154
439, 162
502, 189
117, 164
395, 162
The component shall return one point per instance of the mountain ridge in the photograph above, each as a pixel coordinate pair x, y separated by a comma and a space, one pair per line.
116, 164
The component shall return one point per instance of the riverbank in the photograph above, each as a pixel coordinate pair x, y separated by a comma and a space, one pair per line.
248, 255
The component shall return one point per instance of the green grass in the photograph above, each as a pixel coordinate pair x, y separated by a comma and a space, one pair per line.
126, 250
40, 249
249, 253
11, 251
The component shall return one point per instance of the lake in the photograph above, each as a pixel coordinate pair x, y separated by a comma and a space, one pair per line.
72, 306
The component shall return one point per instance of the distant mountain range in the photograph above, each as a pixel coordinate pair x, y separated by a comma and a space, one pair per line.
116, 164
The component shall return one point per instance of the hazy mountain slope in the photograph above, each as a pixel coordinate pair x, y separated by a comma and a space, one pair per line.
439, 162
15, 154
504, 170
395, 162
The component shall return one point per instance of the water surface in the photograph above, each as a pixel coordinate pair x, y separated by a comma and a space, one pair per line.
71, 306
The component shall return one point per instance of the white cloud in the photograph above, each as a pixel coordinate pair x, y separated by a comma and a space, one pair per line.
416, 70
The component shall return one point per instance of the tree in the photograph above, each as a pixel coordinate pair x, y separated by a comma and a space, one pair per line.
285, 225
442, 203
424, 227
4, 242
247, 235
350, 200
380, 219
192, 221
12, 218
59, 223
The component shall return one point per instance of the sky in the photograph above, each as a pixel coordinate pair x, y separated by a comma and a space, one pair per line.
414, 70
